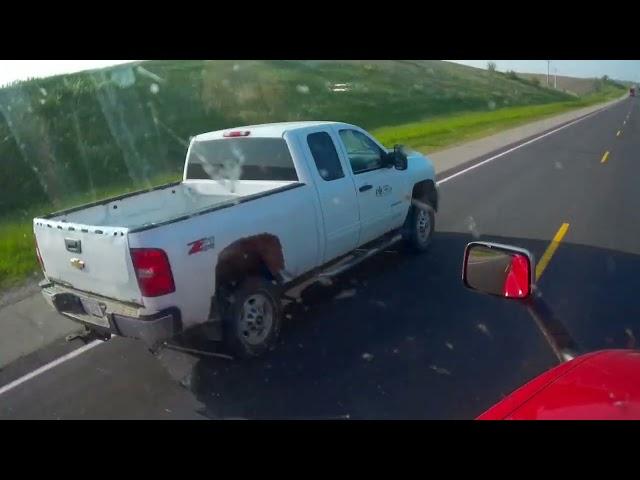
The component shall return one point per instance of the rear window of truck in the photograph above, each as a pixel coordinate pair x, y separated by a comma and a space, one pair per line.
241, 159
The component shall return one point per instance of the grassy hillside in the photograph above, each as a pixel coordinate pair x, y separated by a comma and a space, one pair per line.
79, 133
82, 136
440, 132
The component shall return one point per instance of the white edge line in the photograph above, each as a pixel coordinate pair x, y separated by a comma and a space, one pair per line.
50, 365
95, 343
476, 165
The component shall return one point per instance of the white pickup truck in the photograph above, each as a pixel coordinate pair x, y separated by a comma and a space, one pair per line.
259, 209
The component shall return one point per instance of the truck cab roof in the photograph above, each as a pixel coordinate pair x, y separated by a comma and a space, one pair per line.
267, 129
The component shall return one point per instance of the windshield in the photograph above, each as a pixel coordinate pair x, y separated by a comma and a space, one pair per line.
240, 159
286, 239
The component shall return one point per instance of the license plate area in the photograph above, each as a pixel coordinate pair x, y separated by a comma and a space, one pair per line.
91, 307
94, 313
84, 309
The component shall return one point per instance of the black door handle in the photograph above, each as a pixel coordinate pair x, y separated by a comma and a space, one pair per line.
364, 188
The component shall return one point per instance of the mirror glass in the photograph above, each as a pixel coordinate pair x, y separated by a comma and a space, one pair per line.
497, 271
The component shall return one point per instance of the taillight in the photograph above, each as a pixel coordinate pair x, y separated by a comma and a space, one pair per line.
153, 271
237, 133
38, 255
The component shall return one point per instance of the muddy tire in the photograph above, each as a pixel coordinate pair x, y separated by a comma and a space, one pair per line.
253, 318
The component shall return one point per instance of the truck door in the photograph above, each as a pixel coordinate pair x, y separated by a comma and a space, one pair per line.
336, 192
379, 188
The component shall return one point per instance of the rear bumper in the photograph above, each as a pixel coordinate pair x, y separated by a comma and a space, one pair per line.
117, 318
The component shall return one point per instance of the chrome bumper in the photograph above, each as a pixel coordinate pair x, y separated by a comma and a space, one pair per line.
113, 317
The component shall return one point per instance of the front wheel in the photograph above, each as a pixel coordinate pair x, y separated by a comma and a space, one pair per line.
252, 321
419, 227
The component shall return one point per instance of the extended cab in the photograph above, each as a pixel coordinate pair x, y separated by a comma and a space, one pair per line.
259, 208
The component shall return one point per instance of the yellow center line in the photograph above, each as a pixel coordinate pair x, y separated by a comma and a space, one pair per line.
605, 156
551, 249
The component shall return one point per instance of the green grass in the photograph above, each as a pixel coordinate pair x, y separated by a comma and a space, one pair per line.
437, 133
17, 245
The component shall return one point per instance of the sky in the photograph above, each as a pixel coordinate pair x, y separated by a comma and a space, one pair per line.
617, 69
11, 70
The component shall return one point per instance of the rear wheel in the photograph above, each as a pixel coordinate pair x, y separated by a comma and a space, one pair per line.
253, 318
419, 227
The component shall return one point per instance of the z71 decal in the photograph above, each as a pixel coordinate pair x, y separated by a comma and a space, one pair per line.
201, 245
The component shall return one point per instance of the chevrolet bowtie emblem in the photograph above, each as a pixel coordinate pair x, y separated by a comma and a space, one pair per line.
76, 262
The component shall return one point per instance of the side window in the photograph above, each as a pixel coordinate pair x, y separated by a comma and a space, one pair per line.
325, 155
364, 154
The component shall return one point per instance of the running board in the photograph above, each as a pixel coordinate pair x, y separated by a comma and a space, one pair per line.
358, 257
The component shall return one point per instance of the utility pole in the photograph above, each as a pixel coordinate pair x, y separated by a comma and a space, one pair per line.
548, 66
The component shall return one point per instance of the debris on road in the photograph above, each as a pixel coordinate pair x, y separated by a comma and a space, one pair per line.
439, 370
483, 328
346, 294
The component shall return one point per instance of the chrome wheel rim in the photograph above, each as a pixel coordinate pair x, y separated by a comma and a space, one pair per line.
256, 319
423, 226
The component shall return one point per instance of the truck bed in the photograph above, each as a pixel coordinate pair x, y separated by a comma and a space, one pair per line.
162, 204
87, 247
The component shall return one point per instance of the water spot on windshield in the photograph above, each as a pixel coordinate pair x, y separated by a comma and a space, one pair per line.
449, 345
632, 339
379, 303
472, 227
302, 88
154, 88
236, 67
367, 356
491, 105
558, 165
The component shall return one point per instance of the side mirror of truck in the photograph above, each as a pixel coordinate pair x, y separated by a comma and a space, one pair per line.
399, 157
497, 269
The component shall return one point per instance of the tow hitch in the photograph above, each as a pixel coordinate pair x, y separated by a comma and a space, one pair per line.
87, 335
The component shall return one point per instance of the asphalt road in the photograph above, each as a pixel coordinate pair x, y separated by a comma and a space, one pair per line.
399, 336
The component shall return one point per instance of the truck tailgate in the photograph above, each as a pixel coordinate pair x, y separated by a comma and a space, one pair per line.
92, 259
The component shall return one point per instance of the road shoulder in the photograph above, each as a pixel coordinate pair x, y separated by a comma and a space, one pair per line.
453, 158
